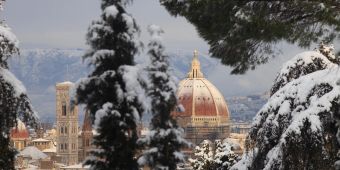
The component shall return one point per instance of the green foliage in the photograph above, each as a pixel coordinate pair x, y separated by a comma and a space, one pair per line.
213, 156
14, 103
163, 144
244, 34
113, 104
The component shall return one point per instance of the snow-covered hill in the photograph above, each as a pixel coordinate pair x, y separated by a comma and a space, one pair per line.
41, 69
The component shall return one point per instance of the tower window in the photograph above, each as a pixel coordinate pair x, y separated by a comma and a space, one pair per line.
63, 109
87, 142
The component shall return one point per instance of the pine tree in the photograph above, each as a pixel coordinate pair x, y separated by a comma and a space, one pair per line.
224, 157
297, 128
112, 91
204, 157
213, 156
244, 34
14, 103
165, 138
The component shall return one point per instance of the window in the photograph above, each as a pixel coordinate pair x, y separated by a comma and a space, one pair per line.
65, 146
61, 130
61, 146
63, 109
65, 129
87, 142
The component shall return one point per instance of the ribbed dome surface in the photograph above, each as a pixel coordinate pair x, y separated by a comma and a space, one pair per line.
205, 114
199, 97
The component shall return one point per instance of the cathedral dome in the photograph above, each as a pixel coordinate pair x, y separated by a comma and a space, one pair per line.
199, 96
20, 131
205, 110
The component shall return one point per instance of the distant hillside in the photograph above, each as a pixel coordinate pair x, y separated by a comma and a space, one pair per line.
41, 69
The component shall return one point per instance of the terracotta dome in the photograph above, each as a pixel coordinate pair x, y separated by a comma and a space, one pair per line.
199, 97
20, 131
205, 110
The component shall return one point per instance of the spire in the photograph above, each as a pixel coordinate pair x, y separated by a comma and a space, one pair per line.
195, 71
195, 54
87, 125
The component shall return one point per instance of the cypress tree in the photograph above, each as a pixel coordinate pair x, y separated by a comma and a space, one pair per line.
110, 90
165, 139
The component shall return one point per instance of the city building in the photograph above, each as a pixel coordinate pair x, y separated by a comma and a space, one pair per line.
41, 144
85, 138
67, 124
19, 136
241, 127
205, 113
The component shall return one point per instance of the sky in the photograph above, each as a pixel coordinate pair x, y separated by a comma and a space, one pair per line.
63, 24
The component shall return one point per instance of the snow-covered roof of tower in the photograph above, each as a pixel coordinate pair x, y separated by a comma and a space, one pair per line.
66, 83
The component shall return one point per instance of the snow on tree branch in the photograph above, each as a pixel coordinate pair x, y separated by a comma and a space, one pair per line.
296, 126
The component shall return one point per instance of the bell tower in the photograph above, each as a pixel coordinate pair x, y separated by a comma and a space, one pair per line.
67, 124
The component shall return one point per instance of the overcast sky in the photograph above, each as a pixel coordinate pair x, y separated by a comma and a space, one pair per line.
63, 24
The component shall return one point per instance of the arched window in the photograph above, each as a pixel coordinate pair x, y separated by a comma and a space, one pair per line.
63, 109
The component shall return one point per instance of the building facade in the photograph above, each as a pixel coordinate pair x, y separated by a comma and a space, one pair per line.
205, 114
19, 136
86, 137
67, 124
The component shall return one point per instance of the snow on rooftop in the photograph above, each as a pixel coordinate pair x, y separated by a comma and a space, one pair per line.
40, 140
66, 83
33, 152
77, 166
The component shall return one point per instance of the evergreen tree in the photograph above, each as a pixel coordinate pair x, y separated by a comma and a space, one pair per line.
112, 91
14, 103
213, 156
203, 157
165, 138
297, 127
224, 156
244, 34
302, 65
